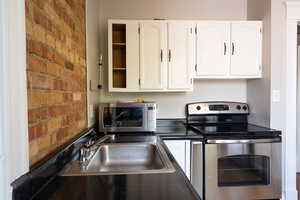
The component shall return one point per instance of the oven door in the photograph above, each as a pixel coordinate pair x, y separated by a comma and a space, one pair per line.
243, 169
123, 117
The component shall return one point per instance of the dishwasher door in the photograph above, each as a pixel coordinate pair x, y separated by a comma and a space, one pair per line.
197, 167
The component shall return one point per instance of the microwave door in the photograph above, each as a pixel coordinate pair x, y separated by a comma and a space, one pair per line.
127, 117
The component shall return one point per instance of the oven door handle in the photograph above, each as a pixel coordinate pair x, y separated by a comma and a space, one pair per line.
243, 141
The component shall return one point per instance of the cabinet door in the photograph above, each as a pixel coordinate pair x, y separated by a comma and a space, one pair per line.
180, 149
181, 55
213, 49
246, 44
123, 53
153, 38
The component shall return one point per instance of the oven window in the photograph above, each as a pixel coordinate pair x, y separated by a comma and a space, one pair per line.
242, 170
123, 117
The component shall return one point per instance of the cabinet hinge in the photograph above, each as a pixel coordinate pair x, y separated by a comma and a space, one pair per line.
196, 68
196, 30
260, 30
139, 81
139, 30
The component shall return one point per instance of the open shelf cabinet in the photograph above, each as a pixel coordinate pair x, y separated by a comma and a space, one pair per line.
119, 55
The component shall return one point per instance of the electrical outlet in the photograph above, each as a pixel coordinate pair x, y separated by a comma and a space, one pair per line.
276, 96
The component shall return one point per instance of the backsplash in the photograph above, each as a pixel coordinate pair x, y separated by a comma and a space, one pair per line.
56, 73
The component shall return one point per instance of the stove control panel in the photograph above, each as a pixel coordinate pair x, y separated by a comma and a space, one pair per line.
206, 108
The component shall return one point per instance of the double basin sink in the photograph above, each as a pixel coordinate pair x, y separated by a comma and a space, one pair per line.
144, 155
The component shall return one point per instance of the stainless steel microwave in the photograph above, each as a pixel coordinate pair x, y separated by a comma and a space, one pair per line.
127, 117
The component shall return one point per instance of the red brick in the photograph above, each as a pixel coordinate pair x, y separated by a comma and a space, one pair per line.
58, 85
56, 32
37, 130
62, 133
27, 7
58, 59
71, 118
70, 3
68, 97
48, 53
40, 81
53, 116
75, 37
35, 64
62, 36
39, 3
35, 47
40, 19
37, 114
61, 12
57, 110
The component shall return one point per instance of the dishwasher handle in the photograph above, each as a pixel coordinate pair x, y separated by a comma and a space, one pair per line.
243, 141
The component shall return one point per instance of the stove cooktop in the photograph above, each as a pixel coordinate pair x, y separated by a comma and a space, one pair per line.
235, 129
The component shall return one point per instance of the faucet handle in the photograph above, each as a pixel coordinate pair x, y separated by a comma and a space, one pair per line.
84, 154
112, 137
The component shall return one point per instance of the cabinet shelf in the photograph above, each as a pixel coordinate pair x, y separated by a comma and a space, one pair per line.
119, 44
119, 68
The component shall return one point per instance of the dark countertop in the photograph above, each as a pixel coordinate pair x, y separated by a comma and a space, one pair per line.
172, 186
175, 129
40, 184
168, 186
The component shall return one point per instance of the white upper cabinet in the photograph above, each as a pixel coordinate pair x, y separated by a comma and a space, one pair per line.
153, 43
213, 48
229, 49
123, 51
181, 55
165, 55
151, 55
246, 49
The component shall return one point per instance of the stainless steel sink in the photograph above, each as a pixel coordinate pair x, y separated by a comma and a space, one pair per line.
123, 158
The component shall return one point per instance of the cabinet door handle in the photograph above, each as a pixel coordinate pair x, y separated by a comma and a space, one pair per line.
232, 53
161, 55
170, 55
225, 49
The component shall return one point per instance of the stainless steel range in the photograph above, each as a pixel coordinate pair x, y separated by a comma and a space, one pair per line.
236, 160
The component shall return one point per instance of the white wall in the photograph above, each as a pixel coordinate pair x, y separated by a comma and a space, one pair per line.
258, 90
93, 52
171, 105
280, 110
13, 115
298, 110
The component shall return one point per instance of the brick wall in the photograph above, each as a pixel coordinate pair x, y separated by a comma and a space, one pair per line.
56, 73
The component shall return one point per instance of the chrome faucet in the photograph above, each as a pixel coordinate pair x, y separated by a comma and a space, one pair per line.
86, 151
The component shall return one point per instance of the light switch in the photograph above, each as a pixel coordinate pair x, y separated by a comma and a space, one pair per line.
276, 96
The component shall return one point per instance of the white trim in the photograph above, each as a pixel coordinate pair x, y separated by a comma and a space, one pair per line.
13, 116
4, 184
289, 138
